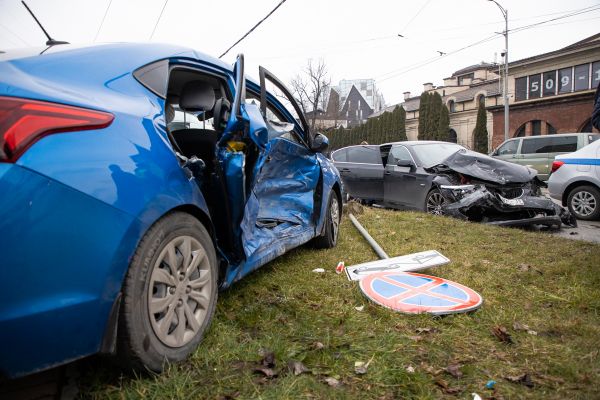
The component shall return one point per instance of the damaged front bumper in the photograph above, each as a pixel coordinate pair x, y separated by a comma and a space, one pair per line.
523, 206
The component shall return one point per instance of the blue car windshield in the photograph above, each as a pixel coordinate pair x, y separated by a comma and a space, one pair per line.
432, 154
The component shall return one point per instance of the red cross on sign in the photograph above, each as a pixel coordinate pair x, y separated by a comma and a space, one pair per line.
414, 293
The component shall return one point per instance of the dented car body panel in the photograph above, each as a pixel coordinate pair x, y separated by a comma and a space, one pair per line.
81, 201
473, 186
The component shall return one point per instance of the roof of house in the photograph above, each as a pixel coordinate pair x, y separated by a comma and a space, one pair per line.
591, 41
475, 67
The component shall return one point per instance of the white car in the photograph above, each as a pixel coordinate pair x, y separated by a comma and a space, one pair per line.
575, 181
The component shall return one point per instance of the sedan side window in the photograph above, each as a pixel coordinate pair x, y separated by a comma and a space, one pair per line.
508, 148
340, 155
398, 153
364, 155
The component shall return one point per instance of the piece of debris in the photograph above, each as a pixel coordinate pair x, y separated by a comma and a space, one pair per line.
502, 334
339, 268
297, 368
360, 367
476, 396
426, 330
522, 327
524, 379
454, 370
332, 382
318, 346
319, 270
359, 308
410, 369
573, 233
446, 388
267, 372
490, 384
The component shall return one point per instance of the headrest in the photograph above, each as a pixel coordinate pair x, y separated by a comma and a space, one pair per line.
197, 96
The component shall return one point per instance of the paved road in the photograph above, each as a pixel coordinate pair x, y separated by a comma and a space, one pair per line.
586, 230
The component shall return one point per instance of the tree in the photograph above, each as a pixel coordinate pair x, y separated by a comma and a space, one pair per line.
443, 128
480, 133
423, 116
310, 88
435, 111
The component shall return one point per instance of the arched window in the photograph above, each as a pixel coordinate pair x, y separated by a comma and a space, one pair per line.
452, 136
481, 100
587, 126
452, 106
535, 127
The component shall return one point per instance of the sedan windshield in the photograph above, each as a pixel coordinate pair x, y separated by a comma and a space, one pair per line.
434, 153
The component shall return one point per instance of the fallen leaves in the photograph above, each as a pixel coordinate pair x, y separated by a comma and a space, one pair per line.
297, 368
502, 334
527, 268
446, 388
524, 379
517, 326
454, 370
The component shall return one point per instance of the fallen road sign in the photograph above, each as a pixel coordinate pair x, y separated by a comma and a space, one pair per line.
407, 263
414, 293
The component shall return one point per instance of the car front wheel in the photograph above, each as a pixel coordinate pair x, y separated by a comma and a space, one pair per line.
169, 295
434, 202
584, 202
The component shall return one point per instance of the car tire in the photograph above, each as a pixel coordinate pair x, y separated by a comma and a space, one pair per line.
434, 202
169, 295
328, 238
584, 202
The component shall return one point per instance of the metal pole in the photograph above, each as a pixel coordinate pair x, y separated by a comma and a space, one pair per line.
506, 76
380, 252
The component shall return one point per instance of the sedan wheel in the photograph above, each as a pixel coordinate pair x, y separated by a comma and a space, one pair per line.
584, 202
169, 295
330, 233
434, 202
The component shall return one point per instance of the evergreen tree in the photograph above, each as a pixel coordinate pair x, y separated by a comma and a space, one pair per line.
435, 110
480, 133
423, 116
443, 128
401, 124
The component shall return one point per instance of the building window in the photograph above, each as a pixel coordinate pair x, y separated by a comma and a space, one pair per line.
521, 88
462, 79
363, 86
452, 106
595, 74
481, 101
549, 83
521, 131
565, 80
536, 127
581, 79
452, 137
534, 86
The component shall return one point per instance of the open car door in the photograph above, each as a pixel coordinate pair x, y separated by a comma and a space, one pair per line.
280, 210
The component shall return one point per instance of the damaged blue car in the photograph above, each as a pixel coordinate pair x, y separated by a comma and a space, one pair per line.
136, 180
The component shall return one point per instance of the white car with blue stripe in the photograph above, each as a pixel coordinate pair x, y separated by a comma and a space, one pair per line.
575, 181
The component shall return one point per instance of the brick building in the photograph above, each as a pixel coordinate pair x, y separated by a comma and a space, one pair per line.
551, 92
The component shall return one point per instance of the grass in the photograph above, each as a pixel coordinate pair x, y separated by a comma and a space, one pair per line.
549, 284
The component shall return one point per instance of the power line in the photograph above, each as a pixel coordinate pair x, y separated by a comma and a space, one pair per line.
14, 34
158, 20
103, 18
254, 27
415, 16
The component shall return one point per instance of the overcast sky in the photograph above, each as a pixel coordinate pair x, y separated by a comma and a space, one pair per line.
356, 39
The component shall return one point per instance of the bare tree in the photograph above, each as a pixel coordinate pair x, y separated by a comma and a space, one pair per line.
310, 88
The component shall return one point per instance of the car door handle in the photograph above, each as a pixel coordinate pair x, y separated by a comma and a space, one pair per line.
344, 170
388, 173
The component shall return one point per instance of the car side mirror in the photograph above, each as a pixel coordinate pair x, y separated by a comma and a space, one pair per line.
320, 143
407, 163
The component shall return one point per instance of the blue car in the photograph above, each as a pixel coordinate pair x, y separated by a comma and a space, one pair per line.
136, 180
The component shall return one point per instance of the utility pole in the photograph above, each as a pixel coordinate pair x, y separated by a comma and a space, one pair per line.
505, 87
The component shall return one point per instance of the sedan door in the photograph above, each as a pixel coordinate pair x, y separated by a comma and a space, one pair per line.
405, 185
361, 170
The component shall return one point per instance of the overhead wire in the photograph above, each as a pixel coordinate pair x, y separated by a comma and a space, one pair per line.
415, 16
102, 22
253, 28
158, 20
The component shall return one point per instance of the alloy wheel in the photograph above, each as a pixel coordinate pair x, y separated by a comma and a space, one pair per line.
335, 217
584, 203
180, 291
435, 201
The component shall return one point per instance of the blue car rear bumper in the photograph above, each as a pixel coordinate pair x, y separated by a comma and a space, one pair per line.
63, 256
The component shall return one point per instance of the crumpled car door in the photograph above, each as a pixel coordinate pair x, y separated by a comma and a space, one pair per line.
279, 213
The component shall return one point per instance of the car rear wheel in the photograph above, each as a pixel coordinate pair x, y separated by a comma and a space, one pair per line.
332, 224
584, 202
434, 202
169, 295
